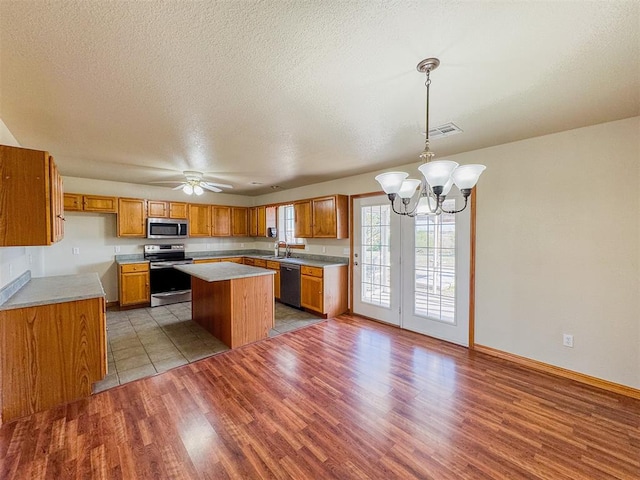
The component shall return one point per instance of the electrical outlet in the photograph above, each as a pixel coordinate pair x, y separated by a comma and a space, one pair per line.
567, 340
30, 259
242, 245
116, 249
75, 251
10, 270
345, 251
324, 249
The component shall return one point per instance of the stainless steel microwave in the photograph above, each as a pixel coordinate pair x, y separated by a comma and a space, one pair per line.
167, 228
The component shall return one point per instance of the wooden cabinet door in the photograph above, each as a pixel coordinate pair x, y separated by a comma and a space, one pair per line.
57, 203
220, 221
131, 217
253, 222
324, 217
25, 197
239, 227
134, 285
73, 202
311, 294
177, 210
199, 220
157, 209
261, 213
97, 203
276, 284
303, 219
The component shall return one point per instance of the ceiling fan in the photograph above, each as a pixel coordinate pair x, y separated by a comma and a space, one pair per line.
194, 183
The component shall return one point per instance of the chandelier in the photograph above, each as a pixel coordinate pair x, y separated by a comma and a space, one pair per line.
439, 175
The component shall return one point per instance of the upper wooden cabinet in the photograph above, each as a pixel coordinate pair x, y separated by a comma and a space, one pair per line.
252, 227
302, 219
90, 203
157, 209
31, 198
220, 221
260, 219
162, 209
178, 210
132, 215
239, 227
323, 217
199, 220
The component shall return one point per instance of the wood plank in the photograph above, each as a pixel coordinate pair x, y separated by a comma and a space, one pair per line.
345, 398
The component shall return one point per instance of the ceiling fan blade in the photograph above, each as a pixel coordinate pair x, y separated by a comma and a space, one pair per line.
179, 186
210, 187
169, 181
213, 184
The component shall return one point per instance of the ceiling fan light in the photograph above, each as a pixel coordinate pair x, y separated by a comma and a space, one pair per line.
438, 172
391, 182
188, 189
467, 176
198, 190
408, 188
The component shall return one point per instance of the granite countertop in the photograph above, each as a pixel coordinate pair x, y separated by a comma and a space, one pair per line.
214, 272
58, 289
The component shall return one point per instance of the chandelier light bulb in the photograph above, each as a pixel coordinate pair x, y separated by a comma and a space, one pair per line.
408, 188
391, 182
438, 173
467, 176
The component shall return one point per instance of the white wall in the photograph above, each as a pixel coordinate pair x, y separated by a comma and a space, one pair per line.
558, 249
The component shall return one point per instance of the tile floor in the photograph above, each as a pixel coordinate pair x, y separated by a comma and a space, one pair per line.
146, 341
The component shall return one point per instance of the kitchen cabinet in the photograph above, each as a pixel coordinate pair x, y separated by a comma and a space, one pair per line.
162, 209
157, 209
207, 260
51, 355
259, 262
323, 217
134, 284
132, 214
178, 210
199, 220
249, 261
302, 219
324, 290
31, 198
77, 202
239, 226
220, 221
260, 219
276, 280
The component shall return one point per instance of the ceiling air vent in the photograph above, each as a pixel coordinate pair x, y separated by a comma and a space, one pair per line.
445, 130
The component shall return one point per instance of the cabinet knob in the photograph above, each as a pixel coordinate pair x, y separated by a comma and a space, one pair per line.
61, 218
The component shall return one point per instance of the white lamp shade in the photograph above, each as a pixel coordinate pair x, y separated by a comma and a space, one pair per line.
447, 187
188, 189
408, 188
198, 190
467, 176
437, 173
391, 181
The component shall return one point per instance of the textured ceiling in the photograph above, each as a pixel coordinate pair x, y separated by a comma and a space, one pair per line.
294, 93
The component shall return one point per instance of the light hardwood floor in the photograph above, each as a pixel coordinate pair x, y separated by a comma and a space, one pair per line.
347, 398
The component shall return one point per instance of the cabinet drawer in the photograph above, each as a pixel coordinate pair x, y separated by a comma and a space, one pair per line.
312, 271
259, 263
207, 260
134, 267
273, 265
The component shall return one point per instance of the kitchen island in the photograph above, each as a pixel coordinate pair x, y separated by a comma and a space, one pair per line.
234, 302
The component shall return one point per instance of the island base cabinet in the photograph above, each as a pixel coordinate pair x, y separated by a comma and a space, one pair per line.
237, 311
51, 354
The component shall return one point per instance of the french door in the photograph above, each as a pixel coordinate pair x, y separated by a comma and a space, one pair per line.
413, 272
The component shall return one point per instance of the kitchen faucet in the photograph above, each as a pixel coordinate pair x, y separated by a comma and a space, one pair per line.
287, 250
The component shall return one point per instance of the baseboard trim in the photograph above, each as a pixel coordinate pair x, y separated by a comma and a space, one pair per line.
561, 372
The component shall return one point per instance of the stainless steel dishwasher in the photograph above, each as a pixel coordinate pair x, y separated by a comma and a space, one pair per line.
290, 284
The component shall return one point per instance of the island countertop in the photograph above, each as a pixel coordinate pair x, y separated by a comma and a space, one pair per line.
58, 289
215, 272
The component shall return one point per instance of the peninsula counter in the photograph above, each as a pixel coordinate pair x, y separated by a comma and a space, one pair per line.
234, 302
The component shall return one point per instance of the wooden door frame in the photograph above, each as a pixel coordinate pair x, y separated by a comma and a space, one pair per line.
472, 258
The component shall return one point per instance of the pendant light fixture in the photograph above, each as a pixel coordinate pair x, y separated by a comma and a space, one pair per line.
439, 175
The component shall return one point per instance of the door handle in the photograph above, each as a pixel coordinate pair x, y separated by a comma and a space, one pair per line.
355, 264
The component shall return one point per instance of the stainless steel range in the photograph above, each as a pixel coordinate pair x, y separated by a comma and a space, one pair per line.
168, 285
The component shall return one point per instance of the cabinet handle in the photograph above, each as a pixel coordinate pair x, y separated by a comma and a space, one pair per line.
61, 218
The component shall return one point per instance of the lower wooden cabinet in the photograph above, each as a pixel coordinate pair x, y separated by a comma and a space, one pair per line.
276, 278
134, 284
51, 354
324, 289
